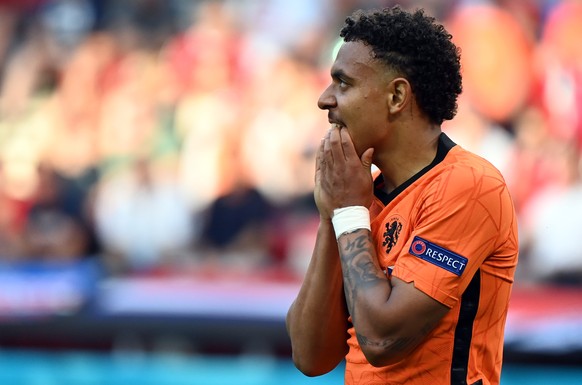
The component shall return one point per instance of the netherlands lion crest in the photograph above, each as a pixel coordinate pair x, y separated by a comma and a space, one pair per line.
393, 228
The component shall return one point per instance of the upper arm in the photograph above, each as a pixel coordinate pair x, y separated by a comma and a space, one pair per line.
409, 316
420, 312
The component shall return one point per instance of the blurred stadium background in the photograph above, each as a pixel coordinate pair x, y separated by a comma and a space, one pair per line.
156, 166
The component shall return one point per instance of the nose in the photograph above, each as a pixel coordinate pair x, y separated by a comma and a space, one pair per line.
327, 100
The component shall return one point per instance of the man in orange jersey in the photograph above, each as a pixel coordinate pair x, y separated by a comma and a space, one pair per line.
413, 265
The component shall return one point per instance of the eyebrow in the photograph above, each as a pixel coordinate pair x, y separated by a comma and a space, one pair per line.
340, 74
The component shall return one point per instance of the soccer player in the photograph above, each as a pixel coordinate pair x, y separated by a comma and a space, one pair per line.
412, 269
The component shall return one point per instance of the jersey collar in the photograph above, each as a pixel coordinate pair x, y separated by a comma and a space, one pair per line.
444, 146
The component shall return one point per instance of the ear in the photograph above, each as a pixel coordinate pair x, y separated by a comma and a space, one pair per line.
399, 95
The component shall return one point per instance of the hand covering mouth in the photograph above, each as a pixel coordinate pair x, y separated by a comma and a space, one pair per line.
335, 124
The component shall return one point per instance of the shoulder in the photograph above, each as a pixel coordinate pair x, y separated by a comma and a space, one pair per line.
465, 182
463, 170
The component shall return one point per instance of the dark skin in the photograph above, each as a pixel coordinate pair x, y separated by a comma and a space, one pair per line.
374, 119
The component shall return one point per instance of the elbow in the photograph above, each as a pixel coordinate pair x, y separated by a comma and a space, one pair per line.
380, 359
388, 352
309, 368
317, 361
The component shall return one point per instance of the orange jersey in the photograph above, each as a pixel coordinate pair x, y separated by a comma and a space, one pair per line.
452, 230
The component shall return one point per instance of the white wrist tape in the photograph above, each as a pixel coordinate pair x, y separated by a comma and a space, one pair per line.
348, 219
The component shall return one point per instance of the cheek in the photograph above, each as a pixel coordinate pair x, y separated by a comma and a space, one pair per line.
369, 131
361, 137
366, 121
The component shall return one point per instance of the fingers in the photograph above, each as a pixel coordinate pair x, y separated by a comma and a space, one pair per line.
335, 144
319, 154
348, 148
341, 145
367, 158
323, 158
338, 145
318, 160
328, 153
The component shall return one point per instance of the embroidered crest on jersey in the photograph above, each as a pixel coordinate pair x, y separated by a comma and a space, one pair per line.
393, 228
438, 256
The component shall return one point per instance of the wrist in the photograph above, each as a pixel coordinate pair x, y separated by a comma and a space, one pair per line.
351, 218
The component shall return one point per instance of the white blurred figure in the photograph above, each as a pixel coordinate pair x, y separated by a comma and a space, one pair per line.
552, 223
142, 220
480, 135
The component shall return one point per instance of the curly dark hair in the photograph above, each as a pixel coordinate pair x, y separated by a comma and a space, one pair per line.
418, 48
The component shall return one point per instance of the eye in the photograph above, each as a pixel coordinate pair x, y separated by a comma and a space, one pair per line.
342, 83
340, 80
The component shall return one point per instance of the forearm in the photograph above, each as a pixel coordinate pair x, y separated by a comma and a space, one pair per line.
317, 320
382, 328
366, 287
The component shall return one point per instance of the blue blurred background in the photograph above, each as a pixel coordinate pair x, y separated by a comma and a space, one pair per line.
156, 175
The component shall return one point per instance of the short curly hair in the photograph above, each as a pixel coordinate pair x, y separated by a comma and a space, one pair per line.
418, 48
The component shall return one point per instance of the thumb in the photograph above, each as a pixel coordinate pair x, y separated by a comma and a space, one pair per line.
367, 158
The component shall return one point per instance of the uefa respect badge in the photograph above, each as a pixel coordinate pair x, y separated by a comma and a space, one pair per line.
438, 256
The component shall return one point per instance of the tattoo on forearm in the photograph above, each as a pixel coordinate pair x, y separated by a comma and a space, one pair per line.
358, 262
359, 269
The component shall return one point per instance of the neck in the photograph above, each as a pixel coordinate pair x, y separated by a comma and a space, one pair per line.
407, 156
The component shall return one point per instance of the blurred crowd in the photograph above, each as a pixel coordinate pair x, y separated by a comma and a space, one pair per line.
178, 135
